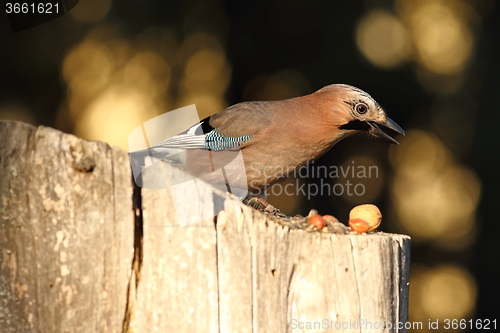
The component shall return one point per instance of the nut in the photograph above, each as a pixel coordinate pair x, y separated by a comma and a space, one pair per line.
317, 221
312, 212
359, 225
369, 213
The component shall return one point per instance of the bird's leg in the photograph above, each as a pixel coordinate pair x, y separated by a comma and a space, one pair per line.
262, 205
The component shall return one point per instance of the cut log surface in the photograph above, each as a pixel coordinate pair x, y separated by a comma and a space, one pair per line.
84, 250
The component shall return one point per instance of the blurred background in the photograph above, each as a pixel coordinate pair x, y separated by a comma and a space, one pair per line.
108, 66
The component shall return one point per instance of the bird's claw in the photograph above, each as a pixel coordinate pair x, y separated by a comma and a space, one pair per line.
279, 214
263, 206
292, 222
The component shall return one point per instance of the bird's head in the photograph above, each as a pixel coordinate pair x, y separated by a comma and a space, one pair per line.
359, 112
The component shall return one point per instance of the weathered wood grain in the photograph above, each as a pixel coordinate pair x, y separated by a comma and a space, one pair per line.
272, 278
83, 250
177, 290
66, 234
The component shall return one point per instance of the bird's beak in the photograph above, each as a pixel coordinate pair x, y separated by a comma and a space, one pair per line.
375, 129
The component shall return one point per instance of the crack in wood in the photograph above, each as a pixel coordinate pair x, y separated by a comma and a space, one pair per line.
356, 274
217, 270
135, 275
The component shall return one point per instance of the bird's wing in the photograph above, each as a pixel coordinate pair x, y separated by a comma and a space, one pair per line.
227, 129
230, 128
243, 119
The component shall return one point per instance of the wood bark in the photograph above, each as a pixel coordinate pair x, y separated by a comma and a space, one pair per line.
84, 250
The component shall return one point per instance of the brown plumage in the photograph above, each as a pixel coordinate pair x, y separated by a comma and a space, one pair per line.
274, 137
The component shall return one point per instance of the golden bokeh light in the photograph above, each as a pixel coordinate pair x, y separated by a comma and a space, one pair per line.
205, 65
420, 156
113, 115
87, 70
147, 71
199, 41
442, 40
206, 74
114, 85
383, 39
434, 196
441, 33
443, 292
437, 35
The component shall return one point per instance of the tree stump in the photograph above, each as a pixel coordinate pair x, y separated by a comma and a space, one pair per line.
84, 250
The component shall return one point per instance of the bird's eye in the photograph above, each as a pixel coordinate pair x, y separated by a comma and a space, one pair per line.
361, 108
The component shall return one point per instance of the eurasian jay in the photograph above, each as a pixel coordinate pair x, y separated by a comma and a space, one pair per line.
274, 137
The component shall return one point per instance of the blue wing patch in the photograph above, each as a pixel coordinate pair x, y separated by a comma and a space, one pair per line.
214, 141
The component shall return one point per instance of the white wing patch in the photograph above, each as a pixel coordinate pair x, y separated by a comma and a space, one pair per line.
186, 140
